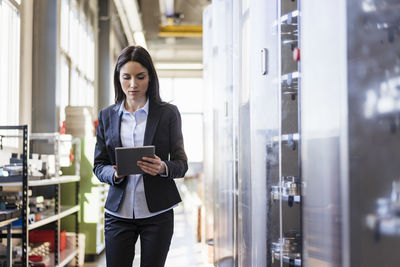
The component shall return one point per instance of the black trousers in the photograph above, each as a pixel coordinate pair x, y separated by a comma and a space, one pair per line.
155, 237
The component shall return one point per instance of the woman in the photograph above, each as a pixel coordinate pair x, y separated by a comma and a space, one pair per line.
139, 205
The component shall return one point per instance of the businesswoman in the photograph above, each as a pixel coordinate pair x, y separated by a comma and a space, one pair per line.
139, 205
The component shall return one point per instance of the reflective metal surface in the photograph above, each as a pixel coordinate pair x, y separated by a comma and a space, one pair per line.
374, 126
223, 134
242, 100
208, 181
336, 119
289, 177
323, 83
350, 131
263, 126
245, 115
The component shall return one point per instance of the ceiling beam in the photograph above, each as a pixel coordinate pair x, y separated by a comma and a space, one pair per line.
180, 31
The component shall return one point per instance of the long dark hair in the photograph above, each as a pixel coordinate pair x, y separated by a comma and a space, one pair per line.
140, 55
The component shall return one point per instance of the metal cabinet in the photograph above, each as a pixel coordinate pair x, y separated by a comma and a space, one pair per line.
350, 132
220, 170
255, 131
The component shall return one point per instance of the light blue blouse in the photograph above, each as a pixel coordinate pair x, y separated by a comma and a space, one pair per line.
132, 134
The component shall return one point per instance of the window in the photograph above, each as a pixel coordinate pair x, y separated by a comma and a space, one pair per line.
187, 95
77, 56
10, 62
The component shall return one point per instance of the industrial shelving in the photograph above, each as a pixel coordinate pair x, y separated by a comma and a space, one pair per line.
48, 219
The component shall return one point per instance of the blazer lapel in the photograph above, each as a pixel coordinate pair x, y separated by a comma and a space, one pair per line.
152, 121
115, 122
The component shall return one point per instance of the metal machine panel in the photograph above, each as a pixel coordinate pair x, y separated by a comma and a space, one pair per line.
373, 52
350, 132
290, 116
208, 167
264, 125
242, 100
224, 179
323, 83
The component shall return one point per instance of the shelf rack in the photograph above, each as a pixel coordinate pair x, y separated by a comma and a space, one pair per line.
58, 258
24, 183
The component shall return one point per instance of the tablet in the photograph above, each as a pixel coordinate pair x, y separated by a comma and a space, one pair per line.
127, 157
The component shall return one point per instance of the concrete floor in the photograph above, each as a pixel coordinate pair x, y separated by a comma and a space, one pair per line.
184, 251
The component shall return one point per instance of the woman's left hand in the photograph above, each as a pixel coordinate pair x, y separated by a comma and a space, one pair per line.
152, 166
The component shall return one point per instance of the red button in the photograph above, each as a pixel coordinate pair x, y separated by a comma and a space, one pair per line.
296, 54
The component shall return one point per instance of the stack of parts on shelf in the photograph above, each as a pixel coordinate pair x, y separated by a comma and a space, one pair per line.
12, 170
10, 204
79, 121
39, 207
36, 205
40, 236
65, 150
39, 254
35, 166
9, 214
10, 200
41, 166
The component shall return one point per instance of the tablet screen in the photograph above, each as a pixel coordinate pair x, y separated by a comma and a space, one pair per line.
127, 157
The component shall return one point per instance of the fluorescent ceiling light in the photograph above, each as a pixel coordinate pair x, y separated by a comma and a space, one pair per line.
132, 11
179, 66
169, 8
128, 11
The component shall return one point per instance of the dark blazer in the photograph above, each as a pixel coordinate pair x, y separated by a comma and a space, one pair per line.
163, 130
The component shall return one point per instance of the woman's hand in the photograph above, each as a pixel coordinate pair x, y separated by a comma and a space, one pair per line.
116, 173
152, 166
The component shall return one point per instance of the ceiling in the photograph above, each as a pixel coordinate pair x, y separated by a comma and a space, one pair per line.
186, 20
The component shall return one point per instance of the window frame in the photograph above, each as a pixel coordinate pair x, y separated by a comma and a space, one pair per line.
80, 72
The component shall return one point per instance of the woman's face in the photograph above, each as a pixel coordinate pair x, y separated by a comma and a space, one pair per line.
134, 79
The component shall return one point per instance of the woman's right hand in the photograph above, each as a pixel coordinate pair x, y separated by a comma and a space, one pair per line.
116, 173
